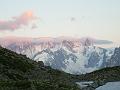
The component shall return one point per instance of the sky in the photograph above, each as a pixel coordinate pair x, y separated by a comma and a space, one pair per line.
52, 18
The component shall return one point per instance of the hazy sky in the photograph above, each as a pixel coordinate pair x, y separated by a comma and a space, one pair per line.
36, 18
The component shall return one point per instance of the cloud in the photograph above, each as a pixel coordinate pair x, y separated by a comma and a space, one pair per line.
18, 21
95, 41
100, 42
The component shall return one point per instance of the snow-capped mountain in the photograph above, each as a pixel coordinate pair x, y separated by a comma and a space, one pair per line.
72, 55
115, 59
74, 59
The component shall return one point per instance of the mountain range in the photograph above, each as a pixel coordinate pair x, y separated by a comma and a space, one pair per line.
63, 53
17, 72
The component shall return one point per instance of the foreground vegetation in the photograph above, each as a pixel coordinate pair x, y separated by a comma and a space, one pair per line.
17, 72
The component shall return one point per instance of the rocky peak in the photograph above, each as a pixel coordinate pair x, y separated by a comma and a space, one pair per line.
115, 58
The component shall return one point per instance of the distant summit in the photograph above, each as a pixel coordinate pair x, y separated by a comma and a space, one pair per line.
62, 52
17, 72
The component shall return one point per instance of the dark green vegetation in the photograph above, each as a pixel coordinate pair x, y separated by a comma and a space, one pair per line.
101, 77
109, 74
17, 72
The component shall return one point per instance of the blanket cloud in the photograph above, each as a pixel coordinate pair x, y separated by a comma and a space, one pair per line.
17, 21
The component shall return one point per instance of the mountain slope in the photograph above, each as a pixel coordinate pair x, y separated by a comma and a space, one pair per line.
115, 58
12, 63
100, 77
84, 58
63, 53
109, 74
17, 72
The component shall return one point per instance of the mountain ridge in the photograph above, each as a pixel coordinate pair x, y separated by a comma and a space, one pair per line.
83, 51
19, 72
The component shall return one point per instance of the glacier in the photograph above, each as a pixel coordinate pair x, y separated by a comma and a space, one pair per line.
75, 56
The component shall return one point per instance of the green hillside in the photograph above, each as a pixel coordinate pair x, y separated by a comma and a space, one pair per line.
17, 72
106, 74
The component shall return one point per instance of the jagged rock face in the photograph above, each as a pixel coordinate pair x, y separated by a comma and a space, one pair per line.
97, 59
93, 60
55, 59
86, 59
72, 56
115, 58
17, 72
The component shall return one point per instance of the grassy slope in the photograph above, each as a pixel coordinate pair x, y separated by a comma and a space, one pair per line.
105, 74
17, 72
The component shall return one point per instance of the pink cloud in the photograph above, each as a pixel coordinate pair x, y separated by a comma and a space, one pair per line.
17, 22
